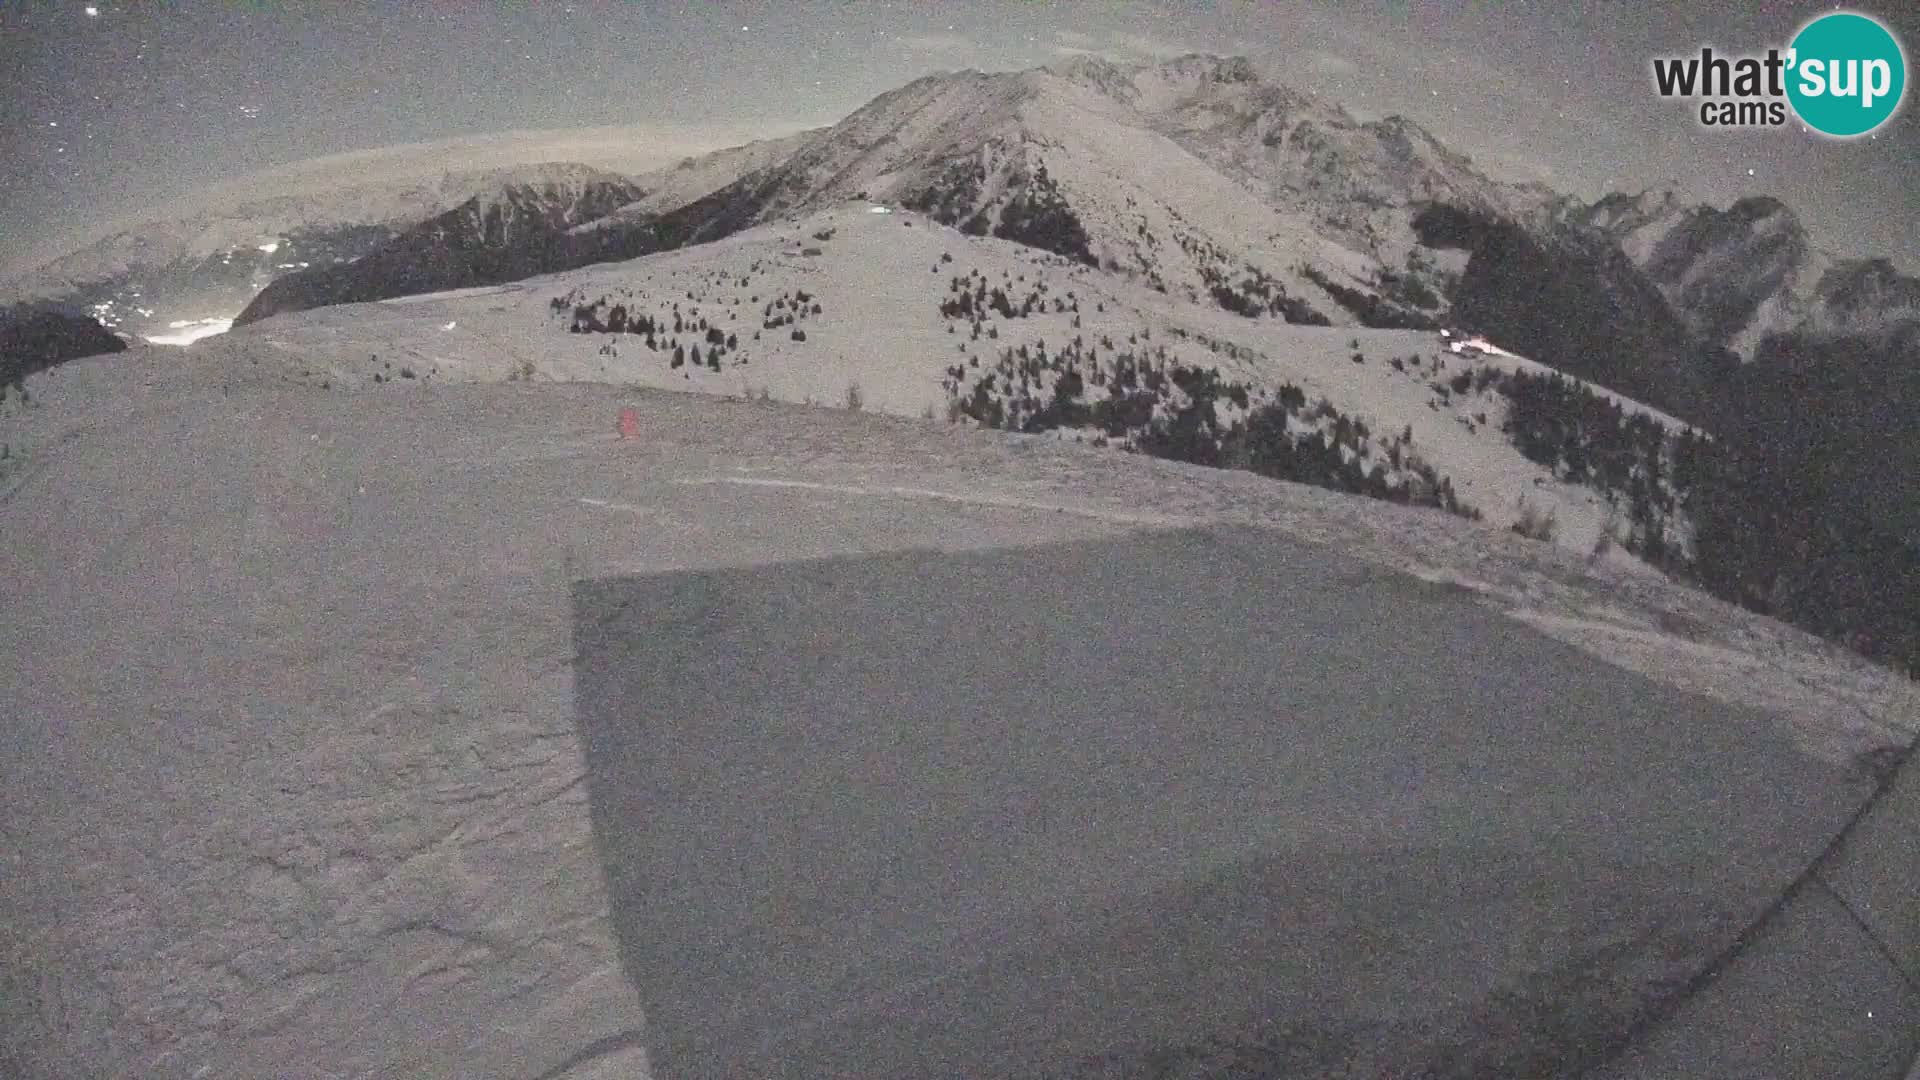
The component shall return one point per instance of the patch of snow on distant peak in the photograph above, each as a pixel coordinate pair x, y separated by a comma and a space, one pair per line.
190, 331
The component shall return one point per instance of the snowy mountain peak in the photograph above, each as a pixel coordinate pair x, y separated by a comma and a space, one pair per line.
1194, 176
555, 177
1867, 300
1407, 139
1618, 212
1094, 68
559, 192
1207, 67
1739, 276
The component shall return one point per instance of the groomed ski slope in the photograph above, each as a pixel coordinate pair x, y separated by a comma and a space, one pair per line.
297, 782
879, 281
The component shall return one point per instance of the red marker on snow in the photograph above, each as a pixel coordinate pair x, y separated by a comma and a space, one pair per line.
629, 423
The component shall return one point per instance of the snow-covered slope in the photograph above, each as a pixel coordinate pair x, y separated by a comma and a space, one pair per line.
863, 304
1355, 180
693, 177
298, 779
1194, 176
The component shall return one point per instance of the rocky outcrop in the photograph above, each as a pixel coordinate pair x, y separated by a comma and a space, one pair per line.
1724, 273
1738, 275
517, 231
208, 263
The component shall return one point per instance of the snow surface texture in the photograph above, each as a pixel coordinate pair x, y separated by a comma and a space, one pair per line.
879, 281
296, 790
1176, 794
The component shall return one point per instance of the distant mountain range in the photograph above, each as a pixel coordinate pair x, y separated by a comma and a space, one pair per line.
1193, 185
1739, 275
515, 228
1201, 179
1195, 175
147, 280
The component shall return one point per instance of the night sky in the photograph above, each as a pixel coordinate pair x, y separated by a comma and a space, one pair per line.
111, 107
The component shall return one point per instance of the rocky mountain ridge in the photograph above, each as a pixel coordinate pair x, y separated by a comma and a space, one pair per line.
207, 265
505, 232
1194, 176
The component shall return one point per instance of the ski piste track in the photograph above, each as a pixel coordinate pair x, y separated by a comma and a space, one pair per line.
446, 734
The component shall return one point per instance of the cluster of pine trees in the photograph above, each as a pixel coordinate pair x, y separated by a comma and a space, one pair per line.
1038, 215
1803, 505
1155, 405
1371, 310
1587, 438
657, 333
1258, 294
971, 298
1784, 514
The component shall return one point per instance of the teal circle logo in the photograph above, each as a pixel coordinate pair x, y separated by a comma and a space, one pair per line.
1847, 74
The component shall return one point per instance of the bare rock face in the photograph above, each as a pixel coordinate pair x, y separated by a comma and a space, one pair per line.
1737, 276
515, 231
1866, 299
1732, 276
210, 261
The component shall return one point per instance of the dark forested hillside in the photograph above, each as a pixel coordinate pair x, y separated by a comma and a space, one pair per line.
1801, 504
1576, 303
33, 339
1811, 511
